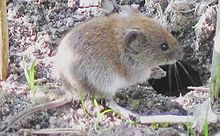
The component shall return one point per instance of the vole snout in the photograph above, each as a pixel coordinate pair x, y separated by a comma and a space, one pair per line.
175, 55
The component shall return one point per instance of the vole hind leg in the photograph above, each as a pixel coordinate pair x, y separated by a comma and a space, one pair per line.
121, 110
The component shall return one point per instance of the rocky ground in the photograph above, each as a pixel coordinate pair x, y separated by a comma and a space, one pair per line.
36, 28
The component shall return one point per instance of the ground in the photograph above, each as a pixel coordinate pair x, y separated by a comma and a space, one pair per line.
36, 28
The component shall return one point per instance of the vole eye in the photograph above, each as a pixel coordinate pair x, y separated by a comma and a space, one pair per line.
164, 46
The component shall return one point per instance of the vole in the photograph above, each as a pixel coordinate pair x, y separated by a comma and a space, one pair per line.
105, 54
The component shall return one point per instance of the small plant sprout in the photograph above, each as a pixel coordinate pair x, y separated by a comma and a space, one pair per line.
99, 114
30, 75
82, 98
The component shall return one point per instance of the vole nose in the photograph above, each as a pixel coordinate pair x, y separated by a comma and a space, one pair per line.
175, 55
178, 54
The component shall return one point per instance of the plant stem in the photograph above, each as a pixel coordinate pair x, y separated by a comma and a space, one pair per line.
215, 71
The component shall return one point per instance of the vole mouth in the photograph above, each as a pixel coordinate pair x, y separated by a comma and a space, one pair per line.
171, 61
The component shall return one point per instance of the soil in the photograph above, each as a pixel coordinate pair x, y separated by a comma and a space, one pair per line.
35, 30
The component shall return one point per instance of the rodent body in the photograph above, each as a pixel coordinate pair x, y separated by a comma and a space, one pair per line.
108, 53
105, 54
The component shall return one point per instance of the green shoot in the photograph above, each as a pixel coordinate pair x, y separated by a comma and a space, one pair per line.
190, 131
188, 126
82, 97
95, 103
99, 115
159, 125
106, 111
206, 129
206, 125
155, 126
30, 74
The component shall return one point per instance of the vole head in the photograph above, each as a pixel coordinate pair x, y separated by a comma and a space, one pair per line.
144, 40
150, 44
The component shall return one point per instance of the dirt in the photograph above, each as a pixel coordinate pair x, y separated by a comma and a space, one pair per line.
36, 28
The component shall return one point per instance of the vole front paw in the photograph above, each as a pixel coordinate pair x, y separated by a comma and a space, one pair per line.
157, 73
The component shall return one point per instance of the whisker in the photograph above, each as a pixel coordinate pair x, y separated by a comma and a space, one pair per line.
153, 81
177, 77
169, 77
183, 67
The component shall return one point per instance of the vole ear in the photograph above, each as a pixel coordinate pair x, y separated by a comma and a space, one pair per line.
126, 11
134, 41
108, 6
